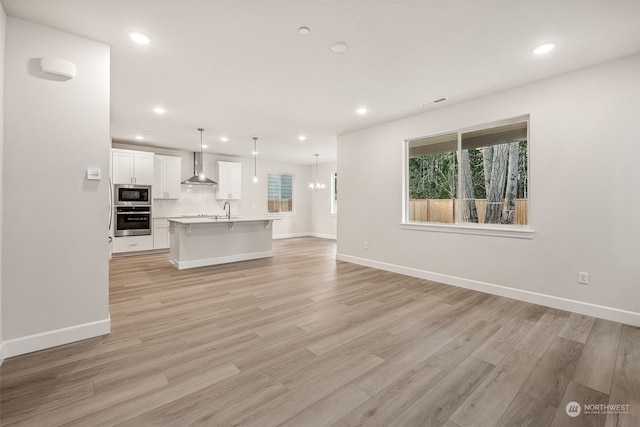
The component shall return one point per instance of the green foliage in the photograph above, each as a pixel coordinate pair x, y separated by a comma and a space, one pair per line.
523, 171
477, 173
433, 176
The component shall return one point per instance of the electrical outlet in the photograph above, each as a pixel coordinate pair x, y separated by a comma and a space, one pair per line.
366, 245
583, 278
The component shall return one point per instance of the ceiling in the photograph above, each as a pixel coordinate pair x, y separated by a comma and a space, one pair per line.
241, 69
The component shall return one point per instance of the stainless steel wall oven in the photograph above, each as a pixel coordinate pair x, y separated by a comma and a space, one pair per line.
132, 221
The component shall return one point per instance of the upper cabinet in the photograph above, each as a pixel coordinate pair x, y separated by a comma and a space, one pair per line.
229, 181
166, 177
132, 167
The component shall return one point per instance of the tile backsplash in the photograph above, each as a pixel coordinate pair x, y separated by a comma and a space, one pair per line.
193, 200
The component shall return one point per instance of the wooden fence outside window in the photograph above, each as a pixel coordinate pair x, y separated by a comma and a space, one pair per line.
444, 210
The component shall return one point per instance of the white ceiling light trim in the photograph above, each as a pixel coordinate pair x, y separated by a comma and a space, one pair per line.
139, 37
545, 47
339, 47
304, 30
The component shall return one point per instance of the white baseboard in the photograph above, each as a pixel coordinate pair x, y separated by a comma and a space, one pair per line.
603, 312
41, 341
307, 234
220, 260
1, 352
290, 236
323, 236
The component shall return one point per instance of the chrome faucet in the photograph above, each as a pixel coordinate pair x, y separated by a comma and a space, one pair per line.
227, 211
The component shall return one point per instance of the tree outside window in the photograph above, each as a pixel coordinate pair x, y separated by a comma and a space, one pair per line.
478, 176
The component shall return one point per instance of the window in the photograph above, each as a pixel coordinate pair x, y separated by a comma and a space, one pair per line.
478, 176
280, 193
334, 193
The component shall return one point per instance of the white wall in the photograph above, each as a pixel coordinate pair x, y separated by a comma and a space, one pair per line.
584, 204
3, 25
323, 223
55, 247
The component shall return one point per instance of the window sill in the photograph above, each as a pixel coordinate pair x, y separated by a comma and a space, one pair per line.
514, 232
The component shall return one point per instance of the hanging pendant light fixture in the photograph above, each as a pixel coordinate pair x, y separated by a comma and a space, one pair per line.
255, 160
317, 185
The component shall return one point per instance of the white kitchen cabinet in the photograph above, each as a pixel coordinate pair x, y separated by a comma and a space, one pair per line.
160, 233
132, 244
166, 177
229, 181
132, 167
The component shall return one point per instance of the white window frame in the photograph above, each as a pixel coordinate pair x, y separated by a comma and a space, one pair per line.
293, 184
334, 201
497, 230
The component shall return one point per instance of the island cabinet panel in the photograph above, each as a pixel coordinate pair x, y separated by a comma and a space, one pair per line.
166, 177
131, 167
229, 181
160, 233
199, 242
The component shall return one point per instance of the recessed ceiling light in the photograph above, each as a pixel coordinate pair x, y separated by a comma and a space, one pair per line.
159, 110
302, 137
224, 139
339, 47
139, 137
304, 30
205, 146
544, 48
139, 37
362, 111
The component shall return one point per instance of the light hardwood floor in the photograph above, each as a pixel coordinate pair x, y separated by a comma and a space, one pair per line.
303, 340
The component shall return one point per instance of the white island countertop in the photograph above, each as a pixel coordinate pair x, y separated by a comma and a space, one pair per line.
219, 219
200, 241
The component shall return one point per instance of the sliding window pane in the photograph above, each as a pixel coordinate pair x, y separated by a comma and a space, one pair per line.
433, 178
494, 168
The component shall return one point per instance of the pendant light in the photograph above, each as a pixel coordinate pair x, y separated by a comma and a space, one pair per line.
317, 185
255, 160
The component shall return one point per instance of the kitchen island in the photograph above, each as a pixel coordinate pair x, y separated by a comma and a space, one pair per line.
197, 242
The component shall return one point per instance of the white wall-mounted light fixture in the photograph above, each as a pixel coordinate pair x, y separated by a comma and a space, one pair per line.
255, 160
58, 66
317, 185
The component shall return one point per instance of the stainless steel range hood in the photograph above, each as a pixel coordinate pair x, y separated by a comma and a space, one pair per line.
198, 177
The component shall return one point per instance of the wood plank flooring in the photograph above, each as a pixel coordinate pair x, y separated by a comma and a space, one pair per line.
303, 340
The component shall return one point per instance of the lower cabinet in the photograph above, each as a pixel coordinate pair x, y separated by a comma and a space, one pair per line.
160, 233
132, 244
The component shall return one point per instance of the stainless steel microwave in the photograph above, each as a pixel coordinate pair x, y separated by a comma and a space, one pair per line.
129, 194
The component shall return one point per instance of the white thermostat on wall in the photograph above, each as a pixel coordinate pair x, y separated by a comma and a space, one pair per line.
93, 173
